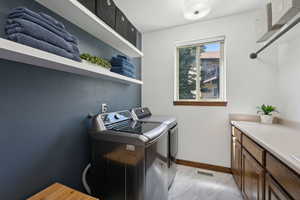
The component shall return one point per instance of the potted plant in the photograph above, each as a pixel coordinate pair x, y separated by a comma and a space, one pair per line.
95, 60
266, 113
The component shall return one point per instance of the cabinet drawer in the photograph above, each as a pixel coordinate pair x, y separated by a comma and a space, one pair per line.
121, 23
106, 10
289, 180
237, 134
256, 151
274, 191
284, 10
89, 4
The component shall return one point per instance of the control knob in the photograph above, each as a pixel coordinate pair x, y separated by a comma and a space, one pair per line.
117, 116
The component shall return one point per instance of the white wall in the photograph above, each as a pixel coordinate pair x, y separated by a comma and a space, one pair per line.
289, 75
204, 131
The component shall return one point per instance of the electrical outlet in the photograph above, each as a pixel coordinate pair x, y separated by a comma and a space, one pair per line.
104, 108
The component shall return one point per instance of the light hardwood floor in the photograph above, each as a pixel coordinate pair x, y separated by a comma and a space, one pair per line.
190, 185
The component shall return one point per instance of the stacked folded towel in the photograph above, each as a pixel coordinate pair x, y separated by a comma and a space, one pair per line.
122, 65
41, 31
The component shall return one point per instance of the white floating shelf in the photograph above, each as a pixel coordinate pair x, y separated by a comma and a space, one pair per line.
24, 54
79, 15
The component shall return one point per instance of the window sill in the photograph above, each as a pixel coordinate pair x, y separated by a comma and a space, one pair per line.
201, 103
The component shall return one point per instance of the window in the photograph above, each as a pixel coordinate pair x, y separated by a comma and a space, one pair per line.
200, 73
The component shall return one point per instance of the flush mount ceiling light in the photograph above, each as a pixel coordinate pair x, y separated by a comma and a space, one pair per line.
196, 9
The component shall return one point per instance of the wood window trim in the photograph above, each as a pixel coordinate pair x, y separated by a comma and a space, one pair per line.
201, 103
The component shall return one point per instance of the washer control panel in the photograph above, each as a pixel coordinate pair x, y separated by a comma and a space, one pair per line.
115, 117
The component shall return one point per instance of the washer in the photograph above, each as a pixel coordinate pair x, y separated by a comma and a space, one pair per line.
145, 115
129, 158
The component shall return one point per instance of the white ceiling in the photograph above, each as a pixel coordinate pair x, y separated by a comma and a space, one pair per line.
151, 15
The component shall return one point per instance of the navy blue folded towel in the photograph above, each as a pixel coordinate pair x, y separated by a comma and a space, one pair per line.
32, 29
121, 61
42, 45
54, 21
122, 65
122, 57
48, 19
43, 20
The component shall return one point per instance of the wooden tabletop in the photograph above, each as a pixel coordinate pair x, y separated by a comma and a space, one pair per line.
60, 192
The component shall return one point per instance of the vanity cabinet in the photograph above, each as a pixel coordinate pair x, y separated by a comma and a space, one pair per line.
258, 173
252, 177
284, 10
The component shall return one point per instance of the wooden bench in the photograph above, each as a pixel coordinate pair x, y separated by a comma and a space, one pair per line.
60, 192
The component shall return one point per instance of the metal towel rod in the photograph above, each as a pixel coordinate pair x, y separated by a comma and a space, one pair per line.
289, 27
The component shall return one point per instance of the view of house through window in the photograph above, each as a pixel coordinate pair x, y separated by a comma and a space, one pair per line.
199, 72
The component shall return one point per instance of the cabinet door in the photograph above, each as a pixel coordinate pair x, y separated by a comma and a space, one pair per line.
263, 24
236, 161
274, 191
252, 177
284, 10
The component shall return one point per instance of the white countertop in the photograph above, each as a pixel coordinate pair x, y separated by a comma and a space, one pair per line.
282, 141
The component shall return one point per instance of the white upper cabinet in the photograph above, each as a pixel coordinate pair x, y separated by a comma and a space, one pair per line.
284, 10
263, 24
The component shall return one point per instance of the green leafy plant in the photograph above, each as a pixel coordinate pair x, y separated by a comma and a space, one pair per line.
266, 109
96, 60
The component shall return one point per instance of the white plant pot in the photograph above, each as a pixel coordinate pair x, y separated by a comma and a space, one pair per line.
266, 119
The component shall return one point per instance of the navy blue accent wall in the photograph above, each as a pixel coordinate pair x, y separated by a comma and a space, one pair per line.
43, 136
